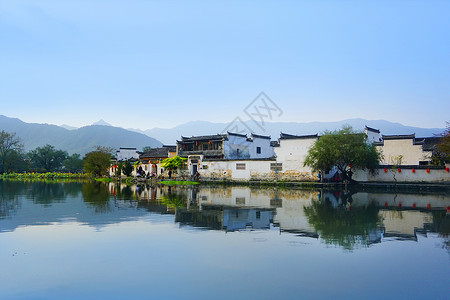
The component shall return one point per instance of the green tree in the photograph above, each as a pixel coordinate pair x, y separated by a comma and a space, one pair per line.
174, 163
10, 148
342, 149
47, 158
127, 168
97, 162
396, 162
17, 162
73, 163
444, 146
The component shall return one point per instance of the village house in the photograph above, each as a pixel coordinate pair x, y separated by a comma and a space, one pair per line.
145, 164
223, 147
405, 158
373, 135
226, 146
151, 160
290, 155
234, 156
124, 154
405, 150
237, 157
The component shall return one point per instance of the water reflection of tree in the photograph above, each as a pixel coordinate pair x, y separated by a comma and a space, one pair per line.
71, 188
441, 225
41, 192
124, 193
175, 200
9, 200
46, 193
96, 194
348, 228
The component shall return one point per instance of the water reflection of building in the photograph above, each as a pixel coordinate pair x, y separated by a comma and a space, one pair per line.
398, 216
405, 224
337, 217
226, 218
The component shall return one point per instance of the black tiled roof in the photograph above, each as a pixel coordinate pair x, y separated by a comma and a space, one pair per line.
203, 137
237, 134
261, 136
372, 129
156, 153
285, 136
399, 137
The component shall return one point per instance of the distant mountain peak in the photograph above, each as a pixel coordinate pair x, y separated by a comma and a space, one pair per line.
102, 123
80, 140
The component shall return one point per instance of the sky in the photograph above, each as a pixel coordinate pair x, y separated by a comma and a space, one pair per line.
144, 64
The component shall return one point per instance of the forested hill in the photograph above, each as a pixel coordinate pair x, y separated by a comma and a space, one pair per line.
80, 140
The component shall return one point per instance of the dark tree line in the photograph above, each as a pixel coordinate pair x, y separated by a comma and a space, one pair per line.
42, 159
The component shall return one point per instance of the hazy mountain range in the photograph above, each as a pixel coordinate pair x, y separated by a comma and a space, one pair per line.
84, 139
81, 140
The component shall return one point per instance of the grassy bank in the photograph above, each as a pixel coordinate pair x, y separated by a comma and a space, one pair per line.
104, 179
47, 177
178, 182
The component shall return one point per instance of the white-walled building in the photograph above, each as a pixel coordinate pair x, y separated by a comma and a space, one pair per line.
260, 147
124, 154
223, 148
285, 164
410, 149
373, 135
292, 151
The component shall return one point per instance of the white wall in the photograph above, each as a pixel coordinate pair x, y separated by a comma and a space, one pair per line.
373, 136
292, 153
235, 143
254, 170
266, 150
227, 169
411, 153
406, 175
126, 154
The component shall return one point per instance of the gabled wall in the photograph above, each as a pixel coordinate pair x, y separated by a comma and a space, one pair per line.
237, 147
127, 153
411, 152
264, 143
292, 153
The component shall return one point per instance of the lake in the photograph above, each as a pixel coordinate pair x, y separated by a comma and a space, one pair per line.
107, 241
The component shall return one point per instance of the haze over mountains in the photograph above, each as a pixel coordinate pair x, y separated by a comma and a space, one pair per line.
81, 140
84, 139
169, 136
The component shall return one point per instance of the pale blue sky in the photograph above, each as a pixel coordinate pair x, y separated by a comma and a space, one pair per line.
145, 64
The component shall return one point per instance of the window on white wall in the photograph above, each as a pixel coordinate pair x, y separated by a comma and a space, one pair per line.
258, 150
240, 166
276, 166
240, 200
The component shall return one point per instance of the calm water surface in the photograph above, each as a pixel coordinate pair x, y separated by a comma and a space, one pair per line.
100, 241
